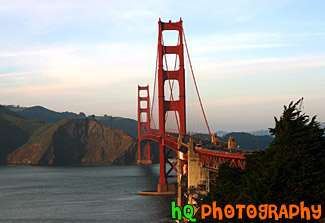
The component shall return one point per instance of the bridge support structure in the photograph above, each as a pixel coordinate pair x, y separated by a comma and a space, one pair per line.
144, 156
197, 183
165, 105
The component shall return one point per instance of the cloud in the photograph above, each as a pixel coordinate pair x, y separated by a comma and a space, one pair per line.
259, 100
259, 68
42, 50
293, 62
13, 74
207, 49
50, 16
79, 67
250, 40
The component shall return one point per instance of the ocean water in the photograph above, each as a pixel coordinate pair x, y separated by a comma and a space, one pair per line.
81, 194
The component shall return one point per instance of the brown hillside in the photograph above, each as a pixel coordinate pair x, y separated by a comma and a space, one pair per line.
76, 141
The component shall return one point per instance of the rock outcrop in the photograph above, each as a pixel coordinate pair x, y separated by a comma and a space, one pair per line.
76, 141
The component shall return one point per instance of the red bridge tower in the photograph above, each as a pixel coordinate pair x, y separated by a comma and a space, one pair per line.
143, 125
177, 106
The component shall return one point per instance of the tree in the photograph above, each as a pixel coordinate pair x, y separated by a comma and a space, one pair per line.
291, 170
81, 114
299, 152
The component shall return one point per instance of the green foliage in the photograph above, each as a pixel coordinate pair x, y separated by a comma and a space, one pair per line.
291, 170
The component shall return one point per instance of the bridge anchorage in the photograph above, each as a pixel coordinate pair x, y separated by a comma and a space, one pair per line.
195, 160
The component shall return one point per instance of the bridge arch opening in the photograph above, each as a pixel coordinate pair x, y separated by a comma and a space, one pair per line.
172, 118
171, 86
143, 104
143, 93
170, 37
171, 62
143, 117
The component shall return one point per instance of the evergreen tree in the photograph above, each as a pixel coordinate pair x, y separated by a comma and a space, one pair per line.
291, 170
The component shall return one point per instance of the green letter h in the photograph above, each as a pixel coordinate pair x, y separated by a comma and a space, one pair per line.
176, 209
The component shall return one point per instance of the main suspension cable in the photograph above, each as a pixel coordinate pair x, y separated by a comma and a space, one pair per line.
154, 89
197, 91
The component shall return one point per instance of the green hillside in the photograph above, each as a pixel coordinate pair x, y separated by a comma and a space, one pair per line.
14, 131
128, 125
6, 114
250, 142
43, 114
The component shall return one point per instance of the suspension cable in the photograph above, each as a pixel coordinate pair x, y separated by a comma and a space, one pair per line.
197, 91
154, 89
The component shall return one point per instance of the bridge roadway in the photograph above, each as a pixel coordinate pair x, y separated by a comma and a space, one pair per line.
211, 154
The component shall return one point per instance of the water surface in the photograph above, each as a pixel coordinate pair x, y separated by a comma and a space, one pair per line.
81, 194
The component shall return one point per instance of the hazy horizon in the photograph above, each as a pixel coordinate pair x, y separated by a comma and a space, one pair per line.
248, 130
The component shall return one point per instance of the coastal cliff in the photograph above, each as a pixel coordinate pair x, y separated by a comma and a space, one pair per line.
76, 141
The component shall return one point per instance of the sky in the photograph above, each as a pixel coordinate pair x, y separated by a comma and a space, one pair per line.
250, 57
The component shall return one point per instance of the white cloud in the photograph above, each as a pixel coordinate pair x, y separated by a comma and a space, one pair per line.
217, 69
250, 40
300, 61
13, 74
38, 50
207, 49
260, 100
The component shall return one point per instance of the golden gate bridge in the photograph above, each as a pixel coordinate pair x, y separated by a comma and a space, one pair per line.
192, 158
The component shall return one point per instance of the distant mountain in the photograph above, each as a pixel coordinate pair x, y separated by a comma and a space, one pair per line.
14, 131
262, 132
244, 140
76, 141
250, 142
221, 133
43, 114
49, 116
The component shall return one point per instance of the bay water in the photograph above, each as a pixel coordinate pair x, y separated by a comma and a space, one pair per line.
81, 194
